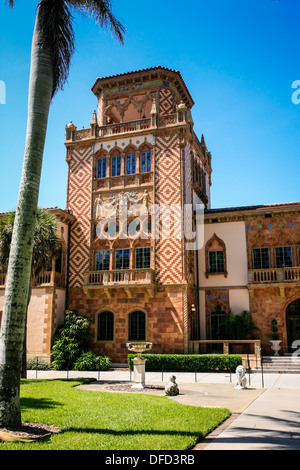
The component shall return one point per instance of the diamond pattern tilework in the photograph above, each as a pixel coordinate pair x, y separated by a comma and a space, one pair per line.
168, 192
166, 101
79, 197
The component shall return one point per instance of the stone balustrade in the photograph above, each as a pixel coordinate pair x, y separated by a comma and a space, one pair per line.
117, 277
274, 275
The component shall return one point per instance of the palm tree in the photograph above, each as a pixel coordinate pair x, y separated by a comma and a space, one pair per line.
46, 246
52, 50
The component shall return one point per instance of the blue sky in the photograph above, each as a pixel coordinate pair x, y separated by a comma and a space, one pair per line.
238, 58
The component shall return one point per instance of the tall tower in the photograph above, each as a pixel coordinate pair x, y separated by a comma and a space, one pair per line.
134, 276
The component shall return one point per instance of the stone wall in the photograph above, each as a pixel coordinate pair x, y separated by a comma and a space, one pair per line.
164, 318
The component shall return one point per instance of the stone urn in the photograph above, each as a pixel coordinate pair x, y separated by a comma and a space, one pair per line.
275, 346
139, 362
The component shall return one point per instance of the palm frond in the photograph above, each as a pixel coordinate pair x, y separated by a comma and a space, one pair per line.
101, 11
10, 3
55, 33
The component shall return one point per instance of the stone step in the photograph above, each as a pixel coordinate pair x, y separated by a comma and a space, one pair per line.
280, 364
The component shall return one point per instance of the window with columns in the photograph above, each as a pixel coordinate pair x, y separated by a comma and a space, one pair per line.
129, 162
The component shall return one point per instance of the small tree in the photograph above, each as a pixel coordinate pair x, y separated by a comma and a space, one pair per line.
274, 329
70, 341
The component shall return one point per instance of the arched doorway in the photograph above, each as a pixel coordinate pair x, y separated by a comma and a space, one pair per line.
293, 323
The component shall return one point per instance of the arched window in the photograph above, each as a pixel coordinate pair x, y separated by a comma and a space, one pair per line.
105, 326
137, 326
215, 256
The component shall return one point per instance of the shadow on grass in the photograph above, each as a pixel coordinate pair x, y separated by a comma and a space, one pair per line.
38, 403
132, 432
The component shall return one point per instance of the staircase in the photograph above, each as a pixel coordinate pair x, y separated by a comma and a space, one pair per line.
280, 364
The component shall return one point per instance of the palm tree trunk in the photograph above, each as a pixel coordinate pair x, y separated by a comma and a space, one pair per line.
19, 268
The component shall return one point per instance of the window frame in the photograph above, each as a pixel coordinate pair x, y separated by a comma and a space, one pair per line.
122, 250
284, 265
98, 262
141, 322
109, 330
260, 258
116, 164
218, 270
131, 159
143, 248
101, 172
147, 163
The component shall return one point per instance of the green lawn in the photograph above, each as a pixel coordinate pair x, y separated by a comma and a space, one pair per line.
91, 420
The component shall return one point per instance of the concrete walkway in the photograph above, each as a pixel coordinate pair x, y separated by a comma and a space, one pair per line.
265, 415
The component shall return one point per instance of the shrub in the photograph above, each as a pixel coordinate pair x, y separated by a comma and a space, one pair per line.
70, 349
189, 362
36, 363
274, 329
70, 341
90, 361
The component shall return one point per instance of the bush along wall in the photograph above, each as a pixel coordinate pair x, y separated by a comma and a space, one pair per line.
189, 362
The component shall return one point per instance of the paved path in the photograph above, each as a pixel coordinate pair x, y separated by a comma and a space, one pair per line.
265, 416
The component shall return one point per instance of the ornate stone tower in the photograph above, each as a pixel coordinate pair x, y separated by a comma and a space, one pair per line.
141, 157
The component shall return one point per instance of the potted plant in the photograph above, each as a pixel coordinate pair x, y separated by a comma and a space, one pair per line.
275, 341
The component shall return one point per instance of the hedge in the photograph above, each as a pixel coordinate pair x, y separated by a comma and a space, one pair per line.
189, 362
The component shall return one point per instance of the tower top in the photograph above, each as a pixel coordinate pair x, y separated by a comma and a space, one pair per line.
145, 75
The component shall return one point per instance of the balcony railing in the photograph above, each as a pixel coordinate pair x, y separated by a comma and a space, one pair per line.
72, 134
274, 275
119, 277
47, 278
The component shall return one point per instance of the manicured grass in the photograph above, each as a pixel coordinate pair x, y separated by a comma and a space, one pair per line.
91, 420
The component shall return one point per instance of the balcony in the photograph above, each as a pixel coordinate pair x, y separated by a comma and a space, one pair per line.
274, 275
127, 279
74, 135
46, 279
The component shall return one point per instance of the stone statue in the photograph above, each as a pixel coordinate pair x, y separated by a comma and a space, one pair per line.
171, 389
99, 207
241, 380
145, 199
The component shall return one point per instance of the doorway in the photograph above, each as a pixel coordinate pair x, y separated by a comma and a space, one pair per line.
293, 324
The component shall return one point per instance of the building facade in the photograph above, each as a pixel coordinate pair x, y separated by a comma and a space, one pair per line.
258, 269
138, 178
140, 150
49, 296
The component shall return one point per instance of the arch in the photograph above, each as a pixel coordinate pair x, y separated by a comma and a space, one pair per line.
137, 319
105, 325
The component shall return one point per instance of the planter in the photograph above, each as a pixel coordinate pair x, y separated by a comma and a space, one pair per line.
275, 345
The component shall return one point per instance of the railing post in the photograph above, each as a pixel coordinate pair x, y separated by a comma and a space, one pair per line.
226, 347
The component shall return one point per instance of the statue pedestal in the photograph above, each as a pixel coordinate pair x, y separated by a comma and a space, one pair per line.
139, 372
